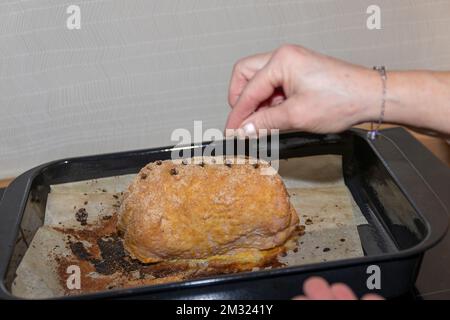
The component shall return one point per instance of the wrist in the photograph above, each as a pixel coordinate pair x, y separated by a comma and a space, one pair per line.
413, 98
369, 95
373, 96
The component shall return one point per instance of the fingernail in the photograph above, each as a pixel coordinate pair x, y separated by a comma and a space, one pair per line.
249, 130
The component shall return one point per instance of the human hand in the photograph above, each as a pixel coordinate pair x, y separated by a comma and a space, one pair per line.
316, 288
295, 88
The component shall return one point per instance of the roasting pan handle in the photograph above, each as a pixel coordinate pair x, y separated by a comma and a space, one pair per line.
423, 178
2, 191
300, 144
11, 203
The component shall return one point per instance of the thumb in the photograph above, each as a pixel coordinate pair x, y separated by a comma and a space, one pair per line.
276, 117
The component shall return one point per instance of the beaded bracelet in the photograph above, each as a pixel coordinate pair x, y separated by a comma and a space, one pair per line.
373, 133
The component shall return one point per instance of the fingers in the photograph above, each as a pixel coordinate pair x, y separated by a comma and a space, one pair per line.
275, 117
258, 89
277, 98
243, 71
372, 296
316, 288
342, 292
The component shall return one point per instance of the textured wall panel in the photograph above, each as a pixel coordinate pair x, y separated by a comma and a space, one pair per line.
137, 69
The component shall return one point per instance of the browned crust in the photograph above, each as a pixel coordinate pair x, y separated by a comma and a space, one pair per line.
205, 210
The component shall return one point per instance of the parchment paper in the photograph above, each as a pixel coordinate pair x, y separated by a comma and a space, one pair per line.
323, 202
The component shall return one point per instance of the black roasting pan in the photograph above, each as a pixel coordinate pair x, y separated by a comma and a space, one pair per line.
404, 200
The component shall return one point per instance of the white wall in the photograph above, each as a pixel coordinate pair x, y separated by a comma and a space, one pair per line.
137, 69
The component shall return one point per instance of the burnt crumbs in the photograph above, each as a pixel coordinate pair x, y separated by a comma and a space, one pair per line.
81, 216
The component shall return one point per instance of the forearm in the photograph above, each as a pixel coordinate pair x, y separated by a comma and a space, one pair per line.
419, 99
323, 94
